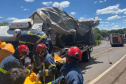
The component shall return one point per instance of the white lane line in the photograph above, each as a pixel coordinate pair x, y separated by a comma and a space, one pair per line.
96, 79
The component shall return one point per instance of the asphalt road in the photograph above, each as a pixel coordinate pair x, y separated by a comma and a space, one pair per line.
107, 65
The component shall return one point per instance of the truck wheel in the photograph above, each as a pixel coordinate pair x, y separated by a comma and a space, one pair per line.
86, 56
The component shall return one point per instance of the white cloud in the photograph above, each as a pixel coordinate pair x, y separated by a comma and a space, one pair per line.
84, 19
113, 17
1, 17
26, 9
29, 0
123, 27
97, 18
112, 24
124, 12
116, 27
111, 10
56, 4
108, 10
47, 3
123, 16
100, 1
62, 4
104, 22
124, 20
22, 6
104, 28
95, 2
73, 13
12, 18
101, 25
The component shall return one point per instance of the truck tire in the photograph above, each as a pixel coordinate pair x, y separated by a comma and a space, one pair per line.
86, 56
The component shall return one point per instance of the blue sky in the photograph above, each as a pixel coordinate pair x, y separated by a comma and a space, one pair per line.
111, 13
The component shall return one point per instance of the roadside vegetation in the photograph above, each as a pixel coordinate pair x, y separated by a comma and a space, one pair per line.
105, 33
4, 23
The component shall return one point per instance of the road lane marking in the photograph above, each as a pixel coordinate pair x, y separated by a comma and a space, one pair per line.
100, 76
101, 52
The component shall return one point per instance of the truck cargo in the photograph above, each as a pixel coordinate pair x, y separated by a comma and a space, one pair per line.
64, 30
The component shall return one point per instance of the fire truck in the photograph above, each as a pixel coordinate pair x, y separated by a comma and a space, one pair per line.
116, 40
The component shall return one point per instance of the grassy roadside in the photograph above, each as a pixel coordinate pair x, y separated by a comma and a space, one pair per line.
98, 42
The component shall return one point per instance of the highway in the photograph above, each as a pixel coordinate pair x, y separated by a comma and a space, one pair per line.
107, 65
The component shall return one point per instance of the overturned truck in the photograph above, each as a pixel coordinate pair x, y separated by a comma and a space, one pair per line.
64, 30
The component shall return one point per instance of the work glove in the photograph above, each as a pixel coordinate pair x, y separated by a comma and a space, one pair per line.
29, 67
59, 80
42, 72
37, 77
27, 64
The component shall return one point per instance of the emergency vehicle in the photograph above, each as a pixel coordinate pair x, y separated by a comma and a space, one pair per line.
116, 40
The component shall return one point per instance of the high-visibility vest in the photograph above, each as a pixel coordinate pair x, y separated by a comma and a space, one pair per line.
3, 70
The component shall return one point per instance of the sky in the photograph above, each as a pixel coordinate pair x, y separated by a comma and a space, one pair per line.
111, 13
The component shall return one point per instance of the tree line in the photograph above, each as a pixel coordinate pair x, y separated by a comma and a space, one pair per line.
105, 33
4, 23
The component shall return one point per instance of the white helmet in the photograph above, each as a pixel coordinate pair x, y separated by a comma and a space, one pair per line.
16, 32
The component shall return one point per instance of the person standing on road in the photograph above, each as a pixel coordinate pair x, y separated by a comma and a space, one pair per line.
45, 64
70, 72
14, 60
30, 38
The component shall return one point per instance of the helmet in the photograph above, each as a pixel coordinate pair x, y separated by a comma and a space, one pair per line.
75, 52
23, 49
41, 47
16, 32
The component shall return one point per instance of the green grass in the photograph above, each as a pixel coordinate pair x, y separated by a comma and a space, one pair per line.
98, 42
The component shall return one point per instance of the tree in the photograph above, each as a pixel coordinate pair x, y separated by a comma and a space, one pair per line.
104, 33
4, 23
97, 33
